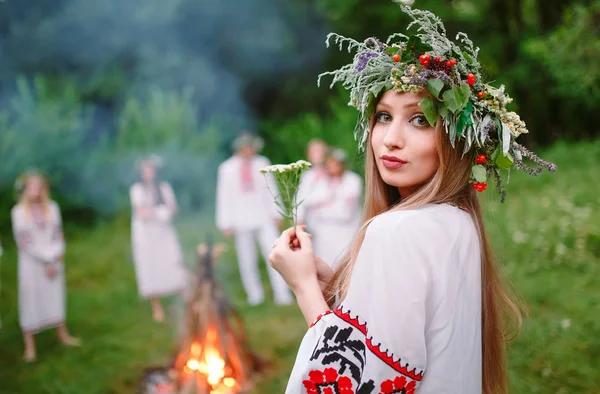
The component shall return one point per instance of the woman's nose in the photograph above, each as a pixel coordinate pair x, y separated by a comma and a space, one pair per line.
394, 137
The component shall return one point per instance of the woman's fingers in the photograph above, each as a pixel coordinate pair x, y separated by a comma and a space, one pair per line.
304, 239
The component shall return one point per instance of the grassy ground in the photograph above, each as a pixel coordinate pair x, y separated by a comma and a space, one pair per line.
547, 236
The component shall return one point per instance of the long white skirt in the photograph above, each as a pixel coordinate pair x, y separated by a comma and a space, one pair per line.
158, 259
41, 299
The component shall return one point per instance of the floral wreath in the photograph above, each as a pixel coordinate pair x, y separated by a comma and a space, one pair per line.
472, 111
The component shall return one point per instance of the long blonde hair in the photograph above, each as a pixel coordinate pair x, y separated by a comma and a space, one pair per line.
450, 184
44, 196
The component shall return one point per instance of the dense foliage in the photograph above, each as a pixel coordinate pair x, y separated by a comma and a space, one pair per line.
87, 87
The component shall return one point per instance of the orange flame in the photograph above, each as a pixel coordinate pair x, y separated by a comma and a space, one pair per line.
210, 364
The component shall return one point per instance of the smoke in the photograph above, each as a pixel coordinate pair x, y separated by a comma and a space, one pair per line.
104, 63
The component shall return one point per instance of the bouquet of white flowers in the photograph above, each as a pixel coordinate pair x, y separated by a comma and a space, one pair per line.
287, 178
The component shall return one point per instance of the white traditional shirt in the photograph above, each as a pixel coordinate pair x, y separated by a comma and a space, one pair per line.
411, 320
244, 201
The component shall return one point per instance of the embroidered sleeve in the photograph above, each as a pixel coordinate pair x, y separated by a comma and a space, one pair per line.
375, 341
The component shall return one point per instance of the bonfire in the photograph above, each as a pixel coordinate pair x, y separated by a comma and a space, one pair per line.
213, 356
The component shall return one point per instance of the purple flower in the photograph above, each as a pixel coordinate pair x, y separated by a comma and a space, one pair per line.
363, 59
421, 78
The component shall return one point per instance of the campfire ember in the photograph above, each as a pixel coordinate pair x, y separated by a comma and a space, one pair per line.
213, 357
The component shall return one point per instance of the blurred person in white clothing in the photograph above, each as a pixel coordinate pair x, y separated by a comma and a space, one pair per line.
333, 207
246, 212
37, 227
157, 254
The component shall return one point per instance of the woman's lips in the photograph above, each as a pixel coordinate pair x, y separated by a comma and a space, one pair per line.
392, 162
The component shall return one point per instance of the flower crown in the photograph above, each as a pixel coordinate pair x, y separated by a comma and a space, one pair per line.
472, 111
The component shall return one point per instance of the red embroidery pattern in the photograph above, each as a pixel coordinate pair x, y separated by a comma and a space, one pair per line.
327, 381
376, 349
398, 386
320, 317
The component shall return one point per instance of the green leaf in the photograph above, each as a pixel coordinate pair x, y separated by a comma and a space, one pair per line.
479, 173
457, 97
461, 124
435, 86
467, 57
504, 162
462, 93
467, 111
450, 100
416, 46
392, 50
429, 110
442, 109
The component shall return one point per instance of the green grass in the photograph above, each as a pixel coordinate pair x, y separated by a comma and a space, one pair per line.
547, 238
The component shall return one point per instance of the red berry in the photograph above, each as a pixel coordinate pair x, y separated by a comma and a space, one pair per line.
448, 63
480, 94
438, 59
396, 58
475, 186
470, 79
425, 63
427, 58
453, 61
483, 186
480, 159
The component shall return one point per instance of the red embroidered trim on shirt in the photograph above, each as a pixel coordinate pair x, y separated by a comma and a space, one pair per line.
376, 349
320, 317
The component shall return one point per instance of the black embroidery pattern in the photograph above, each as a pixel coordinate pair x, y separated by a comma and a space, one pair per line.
337, 345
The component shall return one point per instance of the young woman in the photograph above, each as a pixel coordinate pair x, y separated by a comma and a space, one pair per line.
37, 228
333, 207
156, 251
416, 305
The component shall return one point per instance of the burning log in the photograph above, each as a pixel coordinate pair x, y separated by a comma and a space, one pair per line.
213, 357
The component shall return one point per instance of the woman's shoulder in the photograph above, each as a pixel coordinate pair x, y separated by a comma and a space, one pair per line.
17, 209
442, 222
136, 186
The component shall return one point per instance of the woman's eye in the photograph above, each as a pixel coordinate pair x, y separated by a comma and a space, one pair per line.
419, 121
383, 117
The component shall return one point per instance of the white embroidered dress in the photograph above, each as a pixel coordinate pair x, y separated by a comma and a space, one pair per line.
40, 243
411, 320
157, 254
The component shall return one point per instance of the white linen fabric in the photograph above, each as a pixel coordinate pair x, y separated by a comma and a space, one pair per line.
411, 320
40, 243
157, 253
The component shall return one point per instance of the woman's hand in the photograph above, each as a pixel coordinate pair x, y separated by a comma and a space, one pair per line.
147, 213
292, 256
50, 271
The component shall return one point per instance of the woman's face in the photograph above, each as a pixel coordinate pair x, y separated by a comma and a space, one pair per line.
34, 188
404, 144
148, 172
334, 167
316, 153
